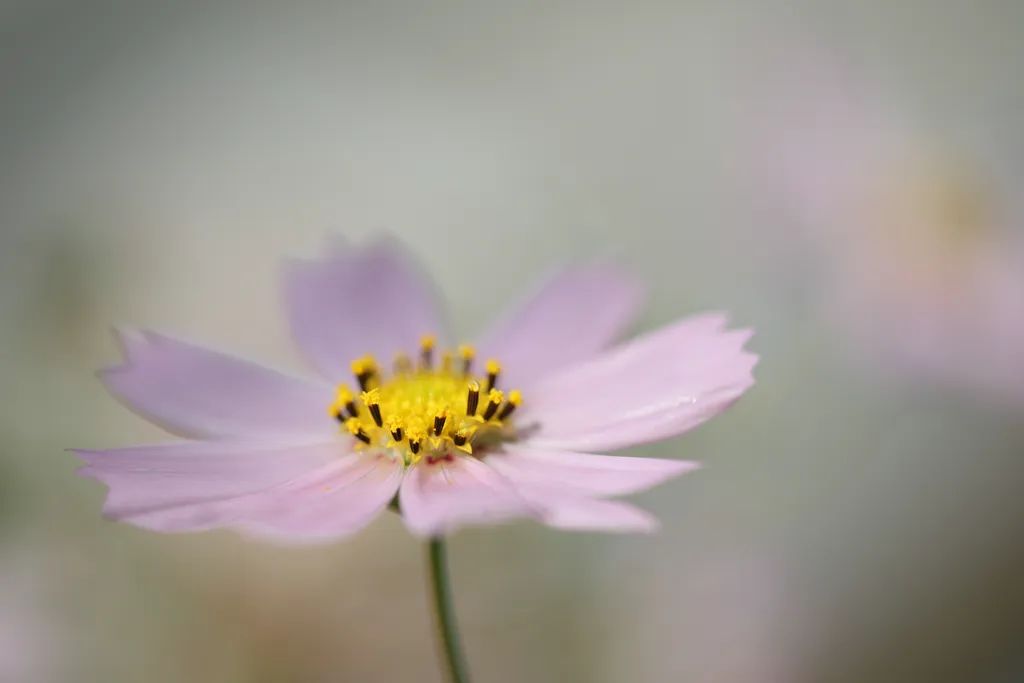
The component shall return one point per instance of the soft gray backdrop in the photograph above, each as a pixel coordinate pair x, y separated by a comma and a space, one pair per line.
156, 159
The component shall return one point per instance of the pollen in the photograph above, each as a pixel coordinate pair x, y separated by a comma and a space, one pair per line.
429, 409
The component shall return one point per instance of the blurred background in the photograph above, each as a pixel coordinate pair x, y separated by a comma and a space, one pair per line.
843, 177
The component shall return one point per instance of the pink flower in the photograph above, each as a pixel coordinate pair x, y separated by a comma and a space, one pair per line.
454, 440
923, 264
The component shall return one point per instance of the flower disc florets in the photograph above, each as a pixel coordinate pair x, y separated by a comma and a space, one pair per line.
426, 409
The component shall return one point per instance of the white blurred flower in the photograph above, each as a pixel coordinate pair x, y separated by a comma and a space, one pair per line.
919, 246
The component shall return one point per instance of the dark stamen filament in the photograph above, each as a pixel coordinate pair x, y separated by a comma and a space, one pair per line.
506, 410
472, 399
402, 364
364, 379
375, 413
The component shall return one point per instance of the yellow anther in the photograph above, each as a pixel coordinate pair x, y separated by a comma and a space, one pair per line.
493, 369
514, 399
494, 399
472, 397
364, 365
439, 420
364, 369
395, 429
346, 400
371, 399
427, 343
415, 428
467, 353
356, 429
461, 439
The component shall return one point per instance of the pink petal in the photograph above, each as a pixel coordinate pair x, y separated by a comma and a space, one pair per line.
584, 473
334, 502
574, 315
579, 513
437, 498
298, 492
357, 301
656, 386
143, 478
197, 392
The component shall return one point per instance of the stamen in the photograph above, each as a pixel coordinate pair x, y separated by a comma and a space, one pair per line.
473, 398
439, 420
354, 428
372, 400
395, 427
493, 370
494, 399
461, 438
364, 369
427, 343
430, 407
402, 364
515, 398
467, 353
346, 399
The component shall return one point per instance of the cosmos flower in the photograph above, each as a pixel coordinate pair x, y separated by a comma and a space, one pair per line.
924, 264
510, 427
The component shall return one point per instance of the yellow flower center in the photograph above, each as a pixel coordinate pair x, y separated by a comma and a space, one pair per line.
426, 409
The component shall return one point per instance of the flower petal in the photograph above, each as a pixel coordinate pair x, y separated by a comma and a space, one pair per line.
574, 315
300, 492
197, 392
145, 478
334, 502
579, 513
653, 387
357, 301
437, 498
584, 473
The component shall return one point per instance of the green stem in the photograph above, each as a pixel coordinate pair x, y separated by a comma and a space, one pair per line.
444, 612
